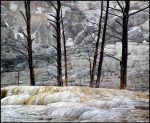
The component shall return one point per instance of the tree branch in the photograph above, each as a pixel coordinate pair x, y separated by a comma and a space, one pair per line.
138, 11
53, 26
54, 36
120, 7
17, 49
119, 23
24, 34
113, 29
51, 20
53, 5
112, 57
32, 39
113, 14
115, 9
54, 47
23, 16
24, 46
52, 15
62, 19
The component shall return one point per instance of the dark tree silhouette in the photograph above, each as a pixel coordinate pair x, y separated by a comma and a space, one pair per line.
57, 26
59, 65
123, 63
65, 53
27, 18
96, 49
124, 58
102, 48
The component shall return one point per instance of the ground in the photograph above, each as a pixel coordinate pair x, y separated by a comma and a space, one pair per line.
73, 103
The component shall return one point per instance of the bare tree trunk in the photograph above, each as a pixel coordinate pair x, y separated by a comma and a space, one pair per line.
29, 40
96, 49
65, 54
102, 48
123, 63
59, 66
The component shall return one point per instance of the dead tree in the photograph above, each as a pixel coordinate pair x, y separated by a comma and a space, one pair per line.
123, 63
65, 53
123, 37
29, 41
28, 45
57, 26
102, 48
96, 49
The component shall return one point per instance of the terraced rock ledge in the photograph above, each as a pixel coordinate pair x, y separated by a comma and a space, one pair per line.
73, 103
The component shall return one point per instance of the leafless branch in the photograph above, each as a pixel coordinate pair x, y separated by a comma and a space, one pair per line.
52, 15
113, 14
17, 49
115, 9
51, 20
24, 34
24, 46
53, 26
54, 47
119, 23
112, 57
23, 16
53, 5
54, 36
32, 39
120, 6
138, 11
113, 29
62, 19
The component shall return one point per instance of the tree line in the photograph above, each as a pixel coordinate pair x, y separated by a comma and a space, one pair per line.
58, 25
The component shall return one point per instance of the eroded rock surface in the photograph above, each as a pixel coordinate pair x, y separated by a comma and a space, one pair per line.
51, 103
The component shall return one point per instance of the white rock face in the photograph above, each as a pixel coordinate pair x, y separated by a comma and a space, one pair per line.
51, 103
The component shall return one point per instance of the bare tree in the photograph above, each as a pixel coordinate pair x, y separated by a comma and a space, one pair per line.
96, 49
123, 63
28, 43
27, 18
57, 26
65, 53
102, 48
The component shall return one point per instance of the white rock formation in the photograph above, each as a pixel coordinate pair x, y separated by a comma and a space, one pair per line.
51, 103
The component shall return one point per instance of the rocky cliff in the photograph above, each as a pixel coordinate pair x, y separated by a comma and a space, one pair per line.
80, 35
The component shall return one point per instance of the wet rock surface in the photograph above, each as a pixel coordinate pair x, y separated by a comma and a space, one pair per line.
51, 103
